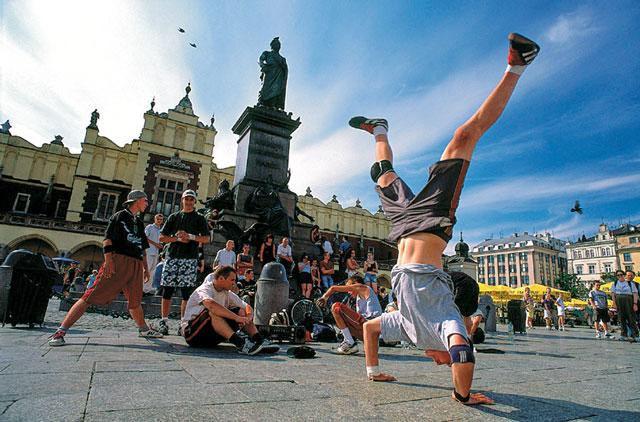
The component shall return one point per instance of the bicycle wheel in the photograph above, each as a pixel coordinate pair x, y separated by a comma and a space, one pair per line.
301, 308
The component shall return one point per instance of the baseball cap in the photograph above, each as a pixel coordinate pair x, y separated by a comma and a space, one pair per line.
133, 196
188, 192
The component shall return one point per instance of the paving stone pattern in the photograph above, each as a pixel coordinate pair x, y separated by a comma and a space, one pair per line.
107, 373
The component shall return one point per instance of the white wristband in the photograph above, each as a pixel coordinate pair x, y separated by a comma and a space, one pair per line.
373, 370
192, 236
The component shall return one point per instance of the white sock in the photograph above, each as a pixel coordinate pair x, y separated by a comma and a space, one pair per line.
518, 70
373, 370
347, 336
379, 130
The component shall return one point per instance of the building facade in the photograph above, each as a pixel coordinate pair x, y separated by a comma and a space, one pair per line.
461, 261
628, 245
589, 258
58, 203
520, 259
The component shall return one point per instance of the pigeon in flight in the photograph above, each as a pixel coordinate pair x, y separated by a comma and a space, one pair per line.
577, 208
192, 45
181, 30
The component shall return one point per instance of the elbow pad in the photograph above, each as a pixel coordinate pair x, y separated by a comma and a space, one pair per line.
379, 168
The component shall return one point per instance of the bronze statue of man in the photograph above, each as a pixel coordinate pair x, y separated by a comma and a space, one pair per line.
273, 75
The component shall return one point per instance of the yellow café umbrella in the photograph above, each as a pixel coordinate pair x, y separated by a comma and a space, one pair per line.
606, 287
577, 303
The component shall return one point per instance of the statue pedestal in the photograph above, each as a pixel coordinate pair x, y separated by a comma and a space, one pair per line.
263, 154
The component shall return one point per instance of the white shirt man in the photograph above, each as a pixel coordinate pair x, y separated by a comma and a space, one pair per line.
285, 256
226, 256
326, 245
153, 236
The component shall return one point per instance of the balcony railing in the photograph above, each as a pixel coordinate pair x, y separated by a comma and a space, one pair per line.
51, 224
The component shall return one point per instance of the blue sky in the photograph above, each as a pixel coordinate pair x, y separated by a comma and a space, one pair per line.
570, 131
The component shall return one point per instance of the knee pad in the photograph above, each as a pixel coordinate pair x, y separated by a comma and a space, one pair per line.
379, 168
461, 354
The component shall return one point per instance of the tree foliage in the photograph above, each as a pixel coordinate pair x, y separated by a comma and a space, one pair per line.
572, 284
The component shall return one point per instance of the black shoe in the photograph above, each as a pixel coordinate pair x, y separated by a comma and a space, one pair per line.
522, 50
163, 328
250, 348
360, 122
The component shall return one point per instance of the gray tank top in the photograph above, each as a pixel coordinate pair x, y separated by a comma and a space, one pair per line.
370, 307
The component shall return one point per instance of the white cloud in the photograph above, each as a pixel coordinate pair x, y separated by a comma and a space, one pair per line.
571, 26
77, 56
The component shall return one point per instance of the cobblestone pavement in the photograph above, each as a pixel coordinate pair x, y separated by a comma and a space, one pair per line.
106, 372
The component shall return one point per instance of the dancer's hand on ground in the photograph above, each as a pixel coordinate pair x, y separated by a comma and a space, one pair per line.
382, 377
475, 399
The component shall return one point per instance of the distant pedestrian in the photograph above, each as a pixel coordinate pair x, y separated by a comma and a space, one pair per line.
549, 305
370, 268
69, 278
598, 301
124, 268
326, 246
155, 247
560, 307
625, 298
529, 306
91, 279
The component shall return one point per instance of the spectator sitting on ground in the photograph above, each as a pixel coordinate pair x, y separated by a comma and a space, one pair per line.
226, 257
350, 322
315, 274
213, 315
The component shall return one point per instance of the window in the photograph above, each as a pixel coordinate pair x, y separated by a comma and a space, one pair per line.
525, 279
371, 250
500, 269
626, 257
502, 280
480, 260
553, 259
513, 280
523, 256
492, 281
633, 240
512, 257
513, 268
546, 258
492, 270
491, 259
61, 209
628, 267
501, 258
578, 269
577, 255
481, 270
524, 268
168, 197
106, 205
592, 268
21, 204
607, 267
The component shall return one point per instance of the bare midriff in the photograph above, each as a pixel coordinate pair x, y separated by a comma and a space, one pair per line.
421, 248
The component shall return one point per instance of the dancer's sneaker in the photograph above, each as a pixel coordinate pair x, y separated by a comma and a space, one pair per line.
149, 333
250, 348
163, 328
360, 122
522, 50
57, 339
598, 336
347, 348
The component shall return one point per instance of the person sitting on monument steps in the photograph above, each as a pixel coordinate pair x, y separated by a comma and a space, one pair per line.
350, 322
124, 269
214, 314
422, 225
326, 271
184, 231
267, 251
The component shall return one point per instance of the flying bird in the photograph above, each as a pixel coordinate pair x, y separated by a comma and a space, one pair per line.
192, 44
181, 30
577, 208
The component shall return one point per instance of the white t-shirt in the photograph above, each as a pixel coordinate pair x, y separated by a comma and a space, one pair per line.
623, 288
283, 250
225, 258
207, 291
153, 233
560, 304
327, 247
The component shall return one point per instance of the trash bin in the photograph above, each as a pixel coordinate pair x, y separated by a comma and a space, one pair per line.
26, 279
486, 305
272, 293
516, 314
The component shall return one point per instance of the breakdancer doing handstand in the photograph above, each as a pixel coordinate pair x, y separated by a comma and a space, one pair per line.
422, 225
